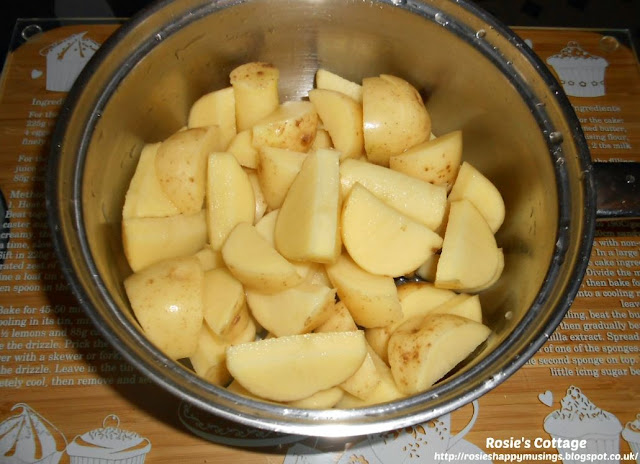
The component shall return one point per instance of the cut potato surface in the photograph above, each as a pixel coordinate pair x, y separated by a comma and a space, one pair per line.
255, 263
327, 80
423, 350
292, 126
309, 363
255, 88
217, 108
380, 239
470, 257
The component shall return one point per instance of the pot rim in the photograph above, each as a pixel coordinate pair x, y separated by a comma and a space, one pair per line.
331, 423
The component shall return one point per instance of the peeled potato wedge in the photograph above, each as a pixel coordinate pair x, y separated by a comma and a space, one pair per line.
241, 146
394, 117
255, 263
166, 299
423, 350
209, 358
473, 186
435, 161
470, 256
230, 199
260, 200
339, 320
372, 300
292, 125
217, 108
327, 80
297, 366
296, 310
145, 197
342, 118
364, 381
399, 244
421, 201
255, 87
181, 166
307, 225
149, 240
277, 168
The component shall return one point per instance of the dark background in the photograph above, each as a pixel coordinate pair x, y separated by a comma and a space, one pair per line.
604, 14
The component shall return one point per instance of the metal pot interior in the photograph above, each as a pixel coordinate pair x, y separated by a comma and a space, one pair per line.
473, 74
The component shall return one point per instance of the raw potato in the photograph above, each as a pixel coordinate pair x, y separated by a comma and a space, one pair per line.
328, 80
372, 300
399, 244
145, 197
364, 381
293, 311
241, 146
307, 225
261, 202
217, 108
435, 161
309, 363
166, 299
255, 86
230, 199
255, 263
470, 256
342, 118
266, 228
181, 166
421, 201
209, 358
223, 299
209, 258
322, 140
463, 305
324, 399
423, 350
277, 168
416, 299
293, 126
149, 240
394, 115
339, 320
472, 185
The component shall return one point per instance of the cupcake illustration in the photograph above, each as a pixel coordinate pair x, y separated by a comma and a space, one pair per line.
580, 72
27, 438
109, 445
631, 433
65, 60
579, 419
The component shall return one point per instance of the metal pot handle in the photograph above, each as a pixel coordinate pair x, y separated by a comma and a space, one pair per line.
618, 190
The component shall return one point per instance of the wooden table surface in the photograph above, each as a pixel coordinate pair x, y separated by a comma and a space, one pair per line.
59, 379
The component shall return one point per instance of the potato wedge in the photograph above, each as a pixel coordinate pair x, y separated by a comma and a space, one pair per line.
296, 310
324, 399
230, 199
309, 363
145, 197
209, 359
277, 168
435, 161
255, 87
181, 164
292, 125
307, 224
394, 116
209, 258
322, 140
260, 200
339, 320
372, 300
463, 305
380, 239
472, 185
166, 299
327, 80
416, 299
223, 299
241, 146
421, 201
217, 108
423, 350
342, 118
470, 257
364, 381
255, 263
149, 240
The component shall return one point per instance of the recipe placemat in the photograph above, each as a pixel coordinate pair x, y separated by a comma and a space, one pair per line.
67, 397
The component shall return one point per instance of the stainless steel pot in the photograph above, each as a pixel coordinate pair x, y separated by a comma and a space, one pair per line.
475, 74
